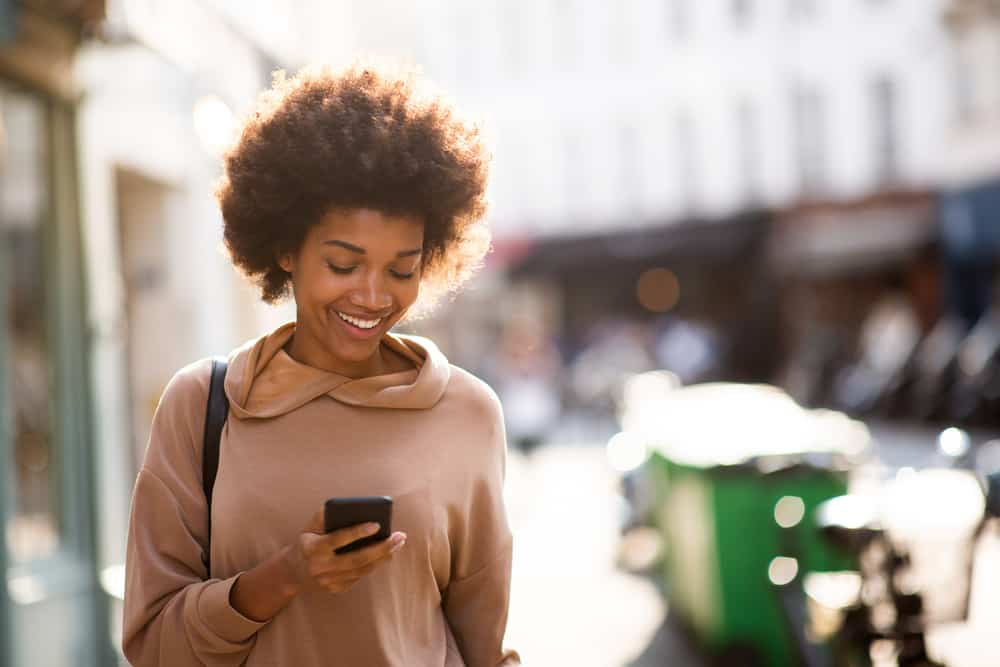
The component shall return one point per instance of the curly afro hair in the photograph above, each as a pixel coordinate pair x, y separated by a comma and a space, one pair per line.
359, 137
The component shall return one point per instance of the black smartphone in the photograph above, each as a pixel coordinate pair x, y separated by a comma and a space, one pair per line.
345, 512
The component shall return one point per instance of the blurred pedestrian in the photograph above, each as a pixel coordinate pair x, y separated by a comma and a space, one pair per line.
527, 379
353, 191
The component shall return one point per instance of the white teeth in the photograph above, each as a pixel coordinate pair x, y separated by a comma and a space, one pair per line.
361, 324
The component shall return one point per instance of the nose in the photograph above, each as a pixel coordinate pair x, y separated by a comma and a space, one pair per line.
371, 295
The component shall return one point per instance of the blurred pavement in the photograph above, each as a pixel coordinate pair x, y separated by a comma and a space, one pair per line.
570, 605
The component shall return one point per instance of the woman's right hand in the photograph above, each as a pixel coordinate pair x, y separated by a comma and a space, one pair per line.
312, 563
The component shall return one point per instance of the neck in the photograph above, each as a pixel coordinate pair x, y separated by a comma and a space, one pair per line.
309, 353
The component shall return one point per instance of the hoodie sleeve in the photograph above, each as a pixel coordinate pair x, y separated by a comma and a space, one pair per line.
174, 614
478, 594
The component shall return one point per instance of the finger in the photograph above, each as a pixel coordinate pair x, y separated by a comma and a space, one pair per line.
312, 545
330, 581
360, 562
315, 524
343, 585
340, 580
372, 553
345, 536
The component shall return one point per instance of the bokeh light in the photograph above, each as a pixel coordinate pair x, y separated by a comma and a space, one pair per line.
789, 511
658, 290
783, 570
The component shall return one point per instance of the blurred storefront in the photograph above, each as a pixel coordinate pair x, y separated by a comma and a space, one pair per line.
971, 241
51, 609
847, 265
693, 297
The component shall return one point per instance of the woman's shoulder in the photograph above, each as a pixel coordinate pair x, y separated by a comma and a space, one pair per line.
473, 392
185, 397
178, 422
188, 384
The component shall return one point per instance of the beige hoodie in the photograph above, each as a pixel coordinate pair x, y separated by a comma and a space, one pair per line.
431, 437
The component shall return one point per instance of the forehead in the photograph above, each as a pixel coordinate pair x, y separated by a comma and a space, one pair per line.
370, 229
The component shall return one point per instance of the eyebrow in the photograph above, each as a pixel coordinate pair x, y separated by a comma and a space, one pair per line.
362, 251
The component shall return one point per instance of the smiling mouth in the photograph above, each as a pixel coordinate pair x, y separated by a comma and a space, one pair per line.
358, 322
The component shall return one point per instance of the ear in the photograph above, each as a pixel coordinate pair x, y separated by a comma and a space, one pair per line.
286, 262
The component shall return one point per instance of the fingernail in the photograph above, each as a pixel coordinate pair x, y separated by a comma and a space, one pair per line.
398, 540
372, 528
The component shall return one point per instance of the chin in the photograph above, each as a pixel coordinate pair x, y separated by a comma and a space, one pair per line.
357, 350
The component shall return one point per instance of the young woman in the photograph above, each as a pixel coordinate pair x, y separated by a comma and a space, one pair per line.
354, 192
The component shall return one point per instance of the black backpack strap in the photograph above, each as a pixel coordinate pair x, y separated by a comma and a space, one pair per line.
215, 419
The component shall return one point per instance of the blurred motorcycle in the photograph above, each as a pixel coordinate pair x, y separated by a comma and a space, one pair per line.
976, 394
914, 541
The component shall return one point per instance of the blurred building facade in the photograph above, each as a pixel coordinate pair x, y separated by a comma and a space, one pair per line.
646, 112
52, 610
648, 136
114, 116
165, 84
890, 300
971, 165
974, 147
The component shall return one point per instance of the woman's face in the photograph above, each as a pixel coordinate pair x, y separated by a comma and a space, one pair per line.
357, 273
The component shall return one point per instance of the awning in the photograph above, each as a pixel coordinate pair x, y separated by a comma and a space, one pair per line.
836, 238
708, 240
970, 222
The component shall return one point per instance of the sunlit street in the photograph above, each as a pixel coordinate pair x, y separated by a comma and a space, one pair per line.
570, 604
717, 281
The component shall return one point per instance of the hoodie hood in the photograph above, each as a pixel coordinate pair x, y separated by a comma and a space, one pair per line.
264, 381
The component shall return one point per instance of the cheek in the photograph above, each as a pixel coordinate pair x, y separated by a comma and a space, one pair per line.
409, 293
321, 285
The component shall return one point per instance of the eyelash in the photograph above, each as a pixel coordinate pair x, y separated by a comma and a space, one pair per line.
343, 272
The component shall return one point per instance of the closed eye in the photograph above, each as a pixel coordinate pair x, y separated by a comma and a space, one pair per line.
342, 270
345, 270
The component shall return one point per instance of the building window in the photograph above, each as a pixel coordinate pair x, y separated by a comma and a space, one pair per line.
687, 160
512, 37
575, 174
564, 27
748, 140
810, 137
977, 72
469, 43
33, 524
741, 10
679, 18
885, 101
622, 37
965, 108
802, 8
631, 186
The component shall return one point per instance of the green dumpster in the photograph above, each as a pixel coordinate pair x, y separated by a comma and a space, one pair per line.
723, 456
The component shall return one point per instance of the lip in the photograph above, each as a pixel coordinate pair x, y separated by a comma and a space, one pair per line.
360, 316
356, 332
